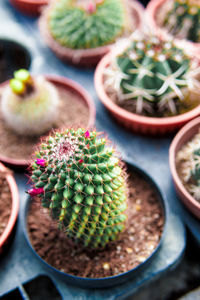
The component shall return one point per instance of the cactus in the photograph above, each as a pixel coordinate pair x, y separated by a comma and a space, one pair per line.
189, 156
29, 105
79, 178
183, 19
151, 76
86, 24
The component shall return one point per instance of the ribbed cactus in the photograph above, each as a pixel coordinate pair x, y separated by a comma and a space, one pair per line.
189, 156
183, 19
87, 24
29, 105
151, 76
80, 179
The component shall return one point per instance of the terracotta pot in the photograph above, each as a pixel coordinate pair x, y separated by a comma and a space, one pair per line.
29, 7
85, 57
135, 122
116, 279
151, 12
69, 85
6, 235
182, 137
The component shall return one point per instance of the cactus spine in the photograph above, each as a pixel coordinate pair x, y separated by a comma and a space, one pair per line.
87, 24
183, 19
29, 105
189, 156
81, 181
151, 75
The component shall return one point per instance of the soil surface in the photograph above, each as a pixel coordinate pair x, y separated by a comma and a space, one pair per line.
5, 202
72, 112
136, 243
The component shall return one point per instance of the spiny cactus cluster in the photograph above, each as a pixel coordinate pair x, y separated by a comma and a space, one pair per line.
151, 76
183, 19
189, 155
87, 24
82, 182
29, 105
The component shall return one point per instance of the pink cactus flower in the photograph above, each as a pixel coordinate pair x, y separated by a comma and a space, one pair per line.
91, 8
34, 192
80, 161
87, 134
41, 162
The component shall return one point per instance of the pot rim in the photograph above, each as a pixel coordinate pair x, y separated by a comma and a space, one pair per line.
15, 206
69, 84
174, 148
77, 54
96, 282
133, 117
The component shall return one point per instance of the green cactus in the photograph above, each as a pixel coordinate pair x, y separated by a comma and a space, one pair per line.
79, 178
87, 24
151, 75
29, 105
183, 19
189, 158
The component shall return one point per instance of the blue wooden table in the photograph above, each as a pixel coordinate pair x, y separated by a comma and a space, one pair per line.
151, 154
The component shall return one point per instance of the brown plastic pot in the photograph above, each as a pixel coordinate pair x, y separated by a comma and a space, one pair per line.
152, 10
29, 7
182, 137
6, 235
69, 85
135, 122
85, 57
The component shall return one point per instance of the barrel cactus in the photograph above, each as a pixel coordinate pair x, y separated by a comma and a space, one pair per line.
189, 157
86, 24
29, 105
183, 19
79, 178
151, 76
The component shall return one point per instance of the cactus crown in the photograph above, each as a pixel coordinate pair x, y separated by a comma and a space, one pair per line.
190, 156
183, 19
151, 75
79, 178
22, 82
87, 24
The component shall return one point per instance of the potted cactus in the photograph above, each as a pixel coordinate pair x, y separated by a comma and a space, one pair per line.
82, 186
179, 18
149, 85
9, 206
185, 165
81, 32
31, 106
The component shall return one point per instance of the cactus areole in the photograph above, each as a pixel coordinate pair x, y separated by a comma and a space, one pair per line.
79, 178
83, 24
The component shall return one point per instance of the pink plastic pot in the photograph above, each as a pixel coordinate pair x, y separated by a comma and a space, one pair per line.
182, 137
152, 10
29, 7
85, 57
69, 85
135, 122
5, 237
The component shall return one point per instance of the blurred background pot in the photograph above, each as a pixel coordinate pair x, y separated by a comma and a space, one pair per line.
29, 7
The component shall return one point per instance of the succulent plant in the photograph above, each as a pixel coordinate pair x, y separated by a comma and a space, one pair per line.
183, 19
151, 75
87, 24
29, 105
80, 179
189, 156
